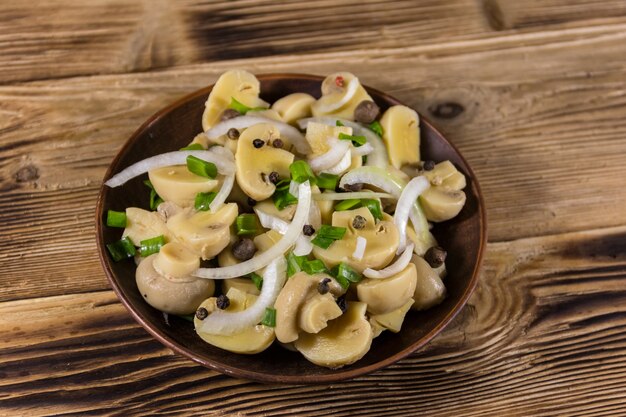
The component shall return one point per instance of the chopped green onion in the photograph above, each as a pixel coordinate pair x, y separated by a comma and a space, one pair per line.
301, 171
322, 242
374, 207
257, 280
201, 168
314, 267
246, 224
338, 123
347, 204
294, 263
376, 127
331, 232
122, 249
188, 317
269, 318
193, 147
204, 200
282, 197
116, 218
149, 246
346, 271
242, 108
155, 200
327, 181
356, 140
339, 278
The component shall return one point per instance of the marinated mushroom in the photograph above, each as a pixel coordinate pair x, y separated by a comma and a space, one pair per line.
339, 98
344, 341
177, 184
242, 284
320, 138
401, 134
174, 296
142, 224
382, 241
252, 340
254, 165
176, 261
429, 289
444, 199
268, 207
390, 321
205, 233
294, 106
317, 311
388, 294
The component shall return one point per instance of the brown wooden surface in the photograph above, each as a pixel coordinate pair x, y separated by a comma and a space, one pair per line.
542, 89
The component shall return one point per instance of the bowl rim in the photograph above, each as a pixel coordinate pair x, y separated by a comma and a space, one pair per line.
341, 373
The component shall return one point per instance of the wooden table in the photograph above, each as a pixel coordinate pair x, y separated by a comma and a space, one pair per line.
532, 92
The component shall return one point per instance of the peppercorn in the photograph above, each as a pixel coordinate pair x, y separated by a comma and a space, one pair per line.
229, 114
435, 256
357, 186
232, 133
277, 143
428, 165
366, 112
308, 230
251, 202
258, 143
323, 287
274, 177
343, 304
222, 302
244, 249
202, 313
359, 222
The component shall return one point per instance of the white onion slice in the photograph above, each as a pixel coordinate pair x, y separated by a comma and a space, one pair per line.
303, 246
223, 193
315, 216
341, 166
242, 122
259, 261
364, 149
224, 166
353, 85
350, 196
407, 200
396, 267
293, 188
332, 157
272, 222
228, 323
359, 251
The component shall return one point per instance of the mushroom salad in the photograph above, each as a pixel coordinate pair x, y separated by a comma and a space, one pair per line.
306, 221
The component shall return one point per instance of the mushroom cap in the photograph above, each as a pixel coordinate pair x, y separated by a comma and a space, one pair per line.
176, 183
429, 288
293, 107
182, 296
143, 224
333, 93
401, 134
388, 294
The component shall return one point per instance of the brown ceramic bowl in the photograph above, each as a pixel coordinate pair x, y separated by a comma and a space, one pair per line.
174, 127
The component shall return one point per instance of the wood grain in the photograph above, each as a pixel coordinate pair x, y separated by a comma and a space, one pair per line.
543, 335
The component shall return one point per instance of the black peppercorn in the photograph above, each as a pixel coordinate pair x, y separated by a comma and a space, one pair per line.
277, 143
274, 177
357, 186
308, 230
366, 112
244, 249
232, 133
323, 287
222, 302
435, 256
202, 313
343, 304
258, 143
428, 165
359, 222
251, 202
229, 114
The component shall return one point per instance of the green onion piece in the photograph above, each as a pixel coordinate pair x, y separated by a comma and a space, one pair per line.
322, 242
200, 167
331, 232
246, 224
339, 278
269, 318
121, 249
347, 204
294, 263
376, 127
314, 267
155, 200
242, 108
257, 280
301, 171
188, 317
149, 246
116, 218
282, 197
374, 208
204, 200
327, 181
356, 140
193, 147
338, 123
348, 273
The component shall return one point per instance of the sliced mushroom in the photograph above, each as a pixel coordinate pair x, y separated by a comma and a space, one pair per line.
242, 284
175, 261
401, 134
142, 224
268, 207
344, 341
318, 135
390, 321
266, 240
388, 294
179, 185
429, 289
252, 340
238, 84
335, 89
205, 233
382, 241
180, 296
254, 165
267, 113
317, 311
444, 199
294, 106
325, 207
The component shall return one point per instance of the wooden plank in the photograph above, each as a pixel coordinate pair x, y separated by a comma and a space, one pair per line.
542, 335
